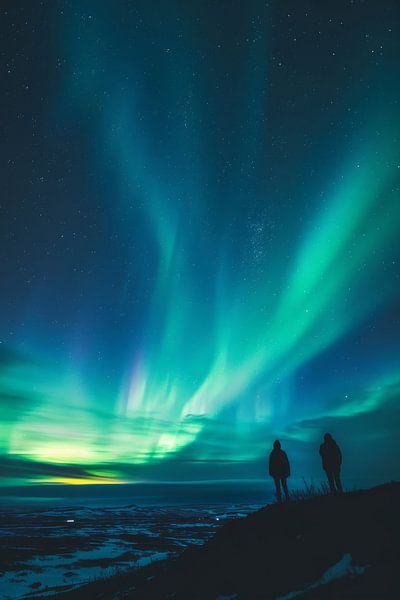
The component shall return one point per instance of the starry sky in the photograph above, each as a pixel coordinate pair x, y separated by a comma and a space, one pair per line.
199, 226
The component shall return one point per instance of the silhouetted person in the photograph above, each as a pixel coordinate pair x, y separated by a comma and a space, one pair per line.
279, 469
331, 462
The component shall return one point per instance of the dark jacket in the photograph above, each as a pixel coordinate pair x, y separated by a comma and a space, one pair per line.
331, 455
279, 464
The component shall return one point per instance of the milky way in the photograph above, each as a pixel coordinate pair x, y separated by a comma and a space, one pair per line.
201, 223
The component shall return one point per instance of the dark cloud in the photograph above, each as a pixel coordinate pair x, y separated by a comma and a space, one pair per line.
12, 401
369, 441
9, 357
19, 467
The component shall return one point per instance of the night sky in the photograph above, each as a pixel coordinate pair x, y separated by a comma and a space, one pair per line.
200, 218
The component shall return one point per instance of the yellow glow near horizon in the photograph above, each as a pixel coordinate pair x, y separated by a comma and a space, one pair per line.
79, 481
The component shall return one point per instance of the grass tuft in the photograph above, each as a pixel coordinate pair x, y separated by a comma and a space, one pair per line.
310, 490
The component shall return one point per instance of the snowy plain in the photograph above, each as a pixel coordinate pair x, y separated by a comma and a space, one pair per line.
48, 549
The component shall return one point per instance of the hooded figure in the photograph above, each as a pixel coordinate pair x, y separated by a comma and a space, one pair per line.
331, 462
279, 469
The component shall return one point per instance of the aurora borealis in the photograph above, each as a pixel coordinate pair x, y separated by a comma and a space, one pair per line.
200, 222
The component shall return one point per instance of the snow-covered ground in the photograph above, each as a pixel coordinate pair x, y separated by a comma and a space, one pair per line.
343, 568
46, 548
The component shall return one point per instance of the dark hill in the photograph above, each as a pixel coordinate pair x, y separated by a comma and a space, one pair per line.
281, 549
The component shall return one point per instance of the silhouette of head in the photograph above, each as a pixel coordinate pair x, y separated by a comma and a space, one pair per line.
277, 445
328, 437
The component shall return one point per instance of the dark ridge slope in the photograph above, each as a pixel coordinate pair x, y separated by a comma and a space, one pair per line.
280, 549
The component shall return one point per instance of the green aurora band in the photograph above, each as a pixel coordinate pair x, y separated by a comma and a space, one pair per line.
229, 320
